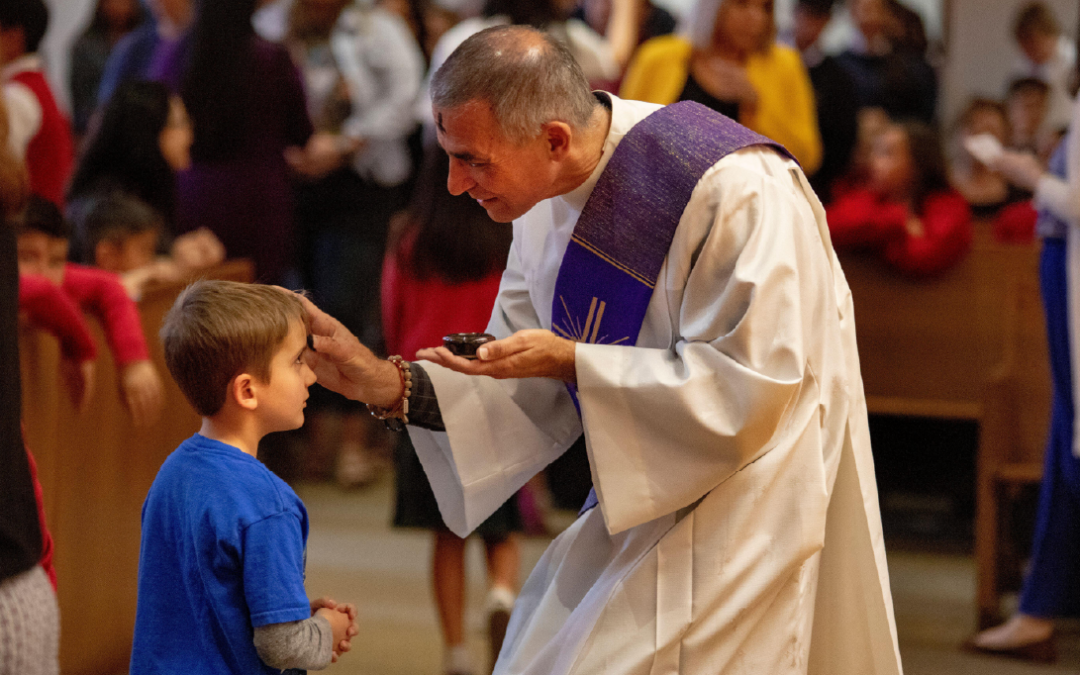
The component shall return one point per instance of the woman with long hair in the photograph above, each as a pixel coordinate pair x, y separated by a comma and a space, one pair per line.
142, 140
727, 58
441, 275
247, 106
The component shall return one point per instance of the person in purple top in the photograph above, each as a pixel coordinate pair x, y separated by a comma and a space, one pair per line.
247, 105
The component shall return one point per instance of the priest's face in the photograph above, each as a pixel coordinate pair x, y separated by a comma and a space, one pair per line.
506, 178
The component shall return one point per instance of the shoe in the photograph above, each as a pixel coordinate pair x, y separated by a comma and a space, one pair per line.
500, 602
457, 661
1043, 651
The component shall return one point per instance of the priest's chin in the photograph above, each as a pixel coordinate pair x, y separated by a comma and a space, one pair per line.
501, 212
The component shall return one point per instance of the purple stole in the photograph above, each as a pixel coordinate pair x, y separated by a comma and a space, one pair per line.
624, 232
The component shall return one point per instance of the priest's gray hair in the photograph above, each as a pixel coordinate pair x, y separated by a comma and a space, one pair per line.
527, 77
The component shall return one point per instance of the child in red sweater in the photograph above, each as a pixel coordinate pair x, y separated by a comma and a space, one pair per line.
40, 134
905, 209
49, 289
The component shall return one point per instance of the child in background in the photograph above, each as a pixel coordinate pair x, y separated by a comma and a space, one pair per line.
905, 209
1048, 56
43, 241
221, 566
39, 132
1026, 105
986, 191
121, 234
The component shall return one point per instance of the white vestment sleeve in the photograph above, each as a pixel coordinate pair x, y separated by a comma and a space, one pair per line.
503, 431
663, 426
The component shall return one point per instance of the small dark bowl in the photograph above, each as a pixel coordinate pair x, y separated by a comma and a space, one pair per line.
466, 344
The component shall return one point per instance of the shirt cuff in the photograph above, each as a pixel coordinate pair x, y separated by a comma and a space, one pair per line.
1052, 194
424, 409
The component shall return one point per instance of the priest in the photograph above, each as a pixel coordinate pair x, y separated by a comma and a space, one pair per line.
672, 294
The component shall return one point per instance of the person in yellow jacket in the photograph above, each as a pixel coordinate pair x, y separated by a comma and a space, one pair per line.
729, 60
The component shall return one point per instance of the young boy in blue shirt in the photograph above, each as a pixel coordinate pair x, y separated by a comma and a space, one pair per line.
221, 567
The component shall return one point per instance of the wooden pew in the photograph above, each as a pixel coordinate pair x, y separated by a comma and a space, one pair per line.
1012, 443
967, 345
927, 346
95, 470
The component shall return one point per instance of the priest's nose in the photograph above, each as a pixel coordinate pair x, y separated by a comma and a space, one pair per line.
459, 180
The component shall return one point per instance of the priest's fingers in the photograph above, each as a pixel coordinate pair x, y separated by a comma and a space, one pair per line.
321, 322
526, 354
520, 341
532, 353
443, 357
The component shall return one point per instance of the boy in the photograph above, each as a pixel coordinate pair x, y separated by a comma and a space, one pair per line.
221, 569
49, 285
117, 232
39, 132
120, 233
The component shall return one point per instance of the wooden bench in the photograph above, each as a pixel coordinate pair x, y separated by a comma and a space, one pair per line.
95, 470
927, 346
968, 345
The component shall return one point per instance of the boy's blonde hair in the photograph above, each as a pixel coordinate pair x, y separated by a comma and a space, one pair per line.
218, 329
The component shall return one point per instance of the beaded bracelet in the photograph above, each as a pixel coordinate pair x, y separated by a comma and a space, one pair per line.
396, 417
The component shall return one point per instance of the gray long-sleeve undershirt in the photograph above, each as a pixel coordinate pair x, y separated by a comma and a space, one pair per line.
307, 644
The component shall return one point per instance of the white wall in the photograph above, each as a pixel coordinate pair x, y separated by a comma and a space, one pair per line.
981, 49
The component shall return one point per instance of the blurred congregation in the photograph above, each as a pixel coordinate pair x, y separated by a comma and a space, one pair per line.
291, 142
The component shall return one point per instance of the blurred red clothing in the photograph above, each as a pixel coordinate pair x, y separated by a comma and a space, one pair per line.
860, 218
417, 313
46, 560
90, 290
48, 307
1015, 223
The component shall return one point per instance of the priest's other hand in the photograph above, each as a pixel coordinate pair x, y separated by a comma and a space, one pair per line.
527, 353
342, 364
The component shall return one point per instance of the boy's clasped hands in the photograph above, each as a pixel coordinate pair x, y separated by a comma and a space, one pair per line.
342, 618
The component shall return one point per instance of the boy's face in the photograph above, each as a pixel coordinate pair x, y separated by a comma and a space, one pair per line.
133, 252
41, 254
282, 400
1026, 109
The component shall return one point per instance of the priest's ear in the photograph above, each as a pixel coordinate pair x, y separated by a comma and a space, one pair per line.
558, 136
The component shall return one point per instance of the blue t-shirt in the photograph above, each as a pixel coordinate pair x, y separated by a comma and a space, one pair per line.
222, 552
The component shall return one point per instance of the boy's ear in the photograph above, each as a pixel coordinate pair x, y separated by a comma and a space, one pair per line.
242, 391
